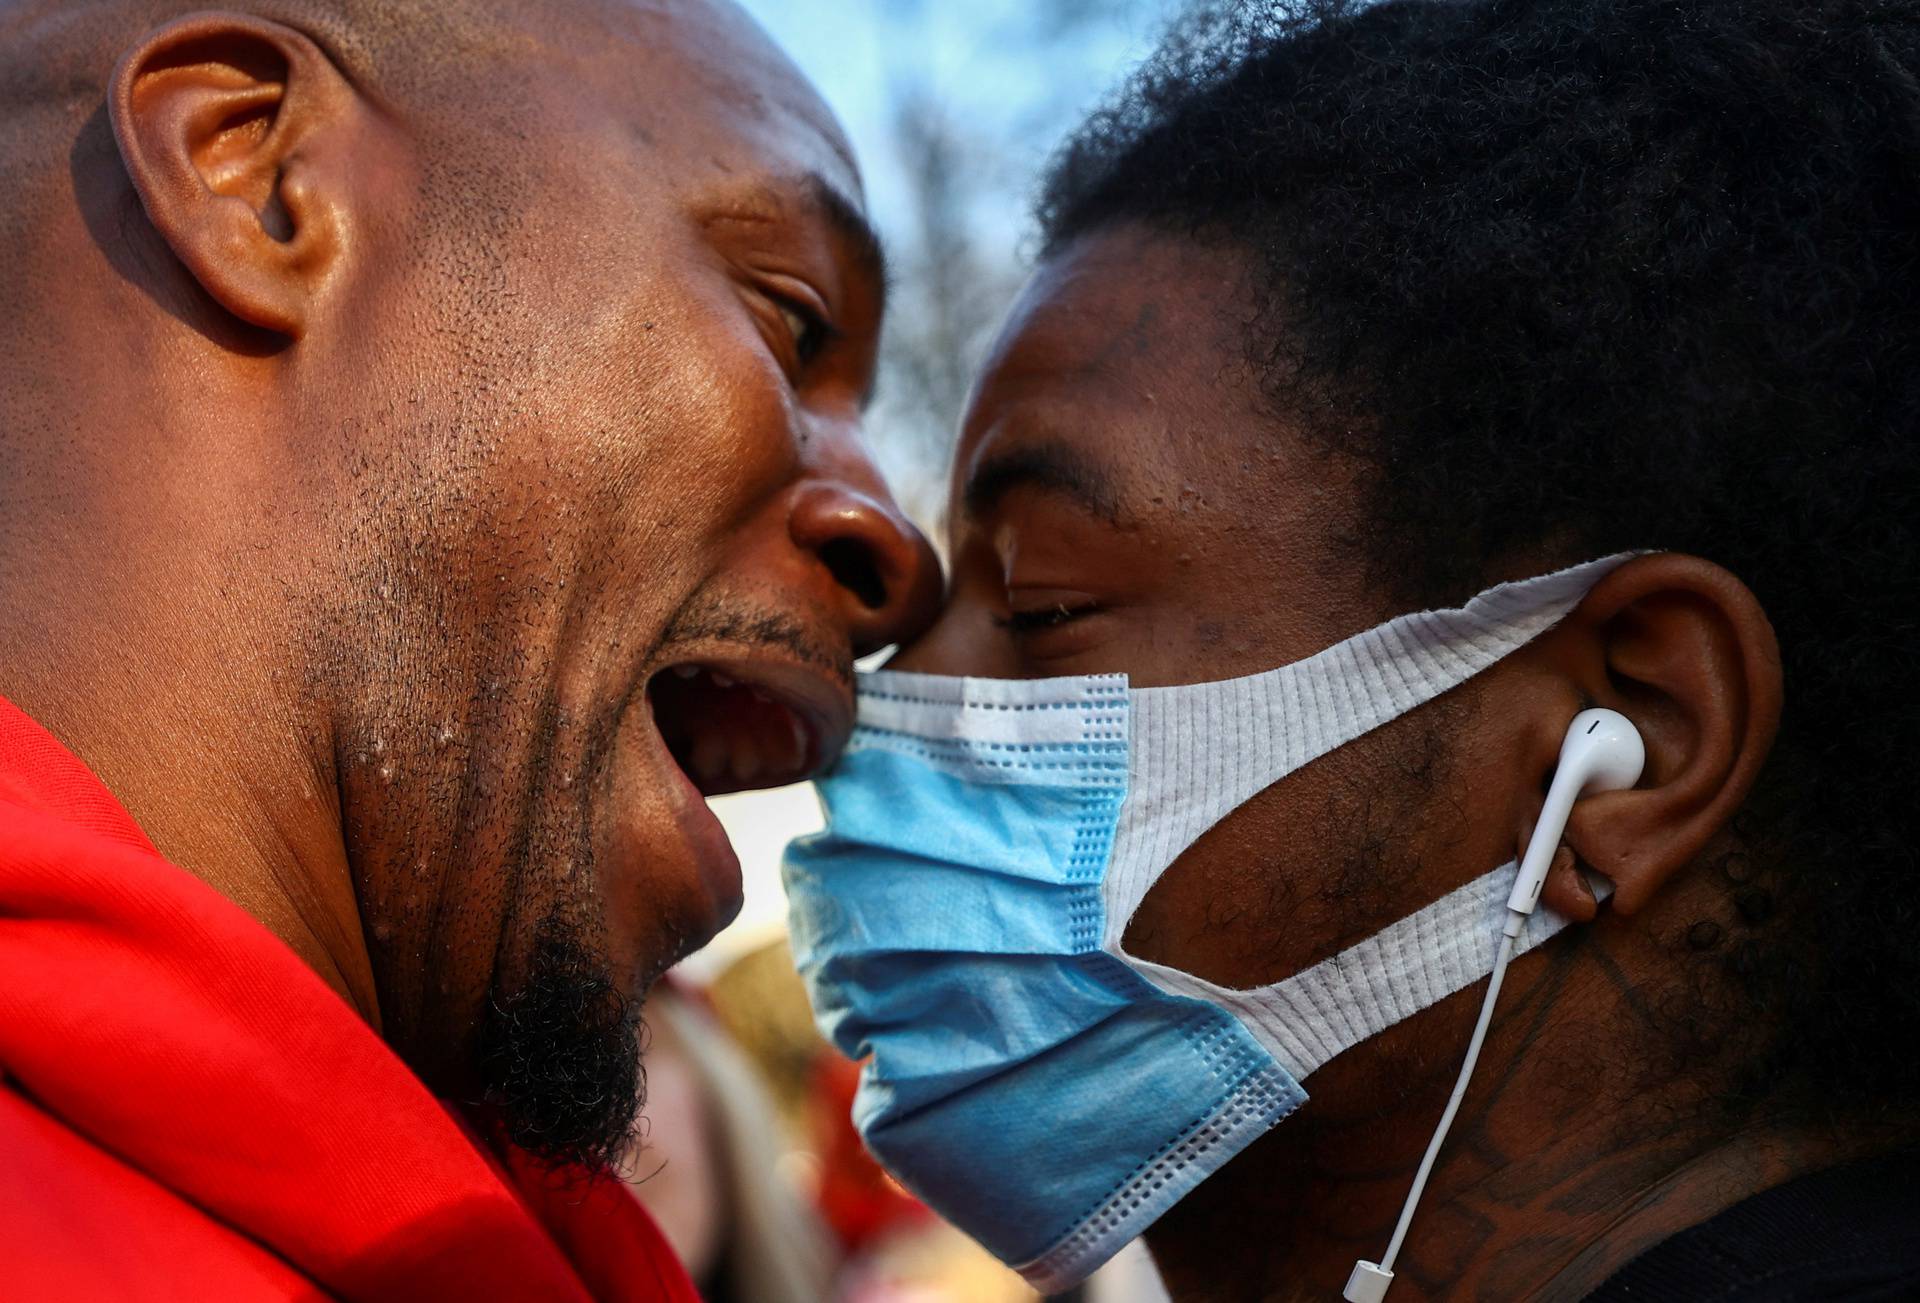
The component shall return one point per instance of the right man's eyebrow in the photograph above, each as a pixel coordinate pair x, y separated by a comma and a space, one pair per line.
1050, 467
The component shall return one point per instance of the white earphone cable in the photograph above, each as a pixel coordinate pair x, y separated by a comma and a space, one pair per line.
1602, 752
1369, 1281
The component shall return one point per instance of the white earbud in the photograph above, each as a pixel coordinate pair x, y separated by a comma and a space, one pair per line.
1602, 753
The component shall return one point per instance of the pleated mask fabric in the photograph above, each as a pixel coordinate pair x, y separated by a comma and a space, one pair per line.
959, 923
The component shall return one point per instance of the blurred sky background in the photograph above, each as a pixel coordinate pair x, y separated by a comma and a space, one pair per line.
953, 107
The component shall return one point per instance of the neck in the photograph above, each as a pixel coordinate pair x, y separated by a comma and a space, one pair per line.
1569, 1157
142, 661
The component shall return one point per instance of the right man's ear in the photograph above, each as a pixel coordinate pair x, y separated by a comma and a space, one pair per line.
1682, 648
232, 130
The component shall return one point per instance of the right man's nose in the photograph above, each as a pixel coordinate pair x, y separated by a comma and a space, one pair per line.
885, 575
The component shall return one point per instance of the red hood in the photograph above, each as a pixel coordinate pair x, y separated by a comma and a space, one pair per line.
150, 1022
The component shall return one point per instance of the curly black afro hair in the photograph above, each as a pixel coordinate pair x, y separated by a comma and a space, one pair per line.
1579, 276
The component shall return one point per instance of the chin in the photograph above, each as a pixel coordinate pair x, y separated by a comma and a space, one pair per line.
558, 1051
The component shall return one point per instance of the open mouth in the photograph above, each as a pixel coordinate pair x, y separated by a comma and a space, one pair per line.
731, 735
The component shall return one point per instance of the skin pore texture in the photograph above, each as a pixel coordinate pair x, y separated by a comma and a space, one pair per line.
392, 399
1124, 500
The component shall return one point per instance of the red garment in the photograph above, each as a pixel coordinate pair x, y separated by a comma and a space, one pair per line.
188, 1112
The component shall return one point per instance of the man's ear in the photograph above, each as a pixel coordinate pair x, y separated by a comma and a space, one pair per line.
229, 126
1682, 648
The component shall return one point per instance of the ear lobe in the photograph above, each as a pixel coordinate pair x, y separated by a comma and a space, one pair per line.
1683, 649
221, 119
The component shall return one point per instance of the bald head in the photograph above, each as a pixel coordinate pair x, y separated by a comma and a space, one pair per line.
460, 76
389, 395
54, 49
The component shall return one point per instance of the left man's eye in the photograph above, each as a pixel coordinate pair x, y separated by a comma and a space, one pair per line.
808, 331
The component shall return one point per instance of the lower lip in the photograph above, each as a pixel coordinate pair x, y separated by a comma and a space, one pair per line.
719, 865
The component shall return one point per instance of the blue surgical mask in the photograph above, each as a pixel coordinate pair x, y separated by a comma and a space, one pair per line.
959, 925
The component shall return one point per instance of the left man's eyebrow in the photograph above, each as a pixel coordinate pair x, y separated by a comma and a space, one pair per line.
858, 236
772, 201
854, 230
810, 198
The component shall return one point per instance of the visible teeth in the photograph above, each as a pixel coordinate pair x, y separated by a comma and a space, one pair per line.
746, 762
720, 680
799, 742
685, 671
758, 695
709, 757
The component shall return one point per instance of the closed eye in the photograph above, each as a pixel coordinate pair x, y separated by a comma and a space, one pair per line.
1044, 617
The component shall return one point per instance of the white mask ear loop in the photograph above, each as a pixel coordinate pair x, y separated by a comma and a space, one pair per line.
1602, 753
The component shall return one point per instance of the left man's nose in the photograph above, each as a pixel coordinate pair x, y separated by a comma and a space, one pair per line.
886, 576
